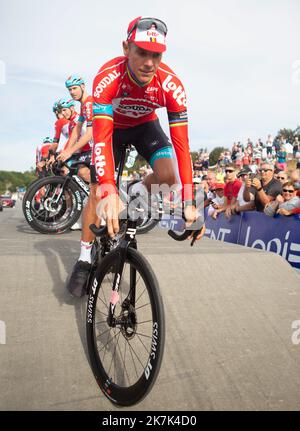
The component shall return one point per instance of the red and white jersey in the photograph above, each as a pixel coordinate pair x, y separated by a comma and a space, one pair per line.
71, 124
61, 130
86, 116
42, 151
120, 102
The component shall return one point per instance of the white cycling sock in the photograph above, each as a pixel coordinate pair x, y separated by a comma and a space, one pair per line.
85, 251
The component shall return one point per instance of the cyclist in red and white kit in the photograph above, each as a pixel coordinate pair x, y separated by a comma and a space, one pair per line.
126, 92
81, 138
67, 108
41, 155
61, 130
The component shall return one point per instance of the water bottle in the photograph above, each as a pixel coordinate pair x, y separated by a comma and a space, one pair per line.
131, 158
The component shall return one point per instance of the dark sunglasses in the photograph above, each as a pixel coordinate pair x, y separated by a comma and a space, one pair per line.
281, 178
288, 191
146, 23
228, 171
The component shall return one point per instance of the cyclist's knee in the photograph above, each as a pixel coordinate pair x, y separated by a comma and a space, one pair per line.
167, 178
84, 173
164, 172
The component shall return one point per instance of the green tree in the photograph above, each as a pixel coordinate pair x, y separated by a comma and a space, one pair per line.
194, 156
10, 180
288, 134
215, 154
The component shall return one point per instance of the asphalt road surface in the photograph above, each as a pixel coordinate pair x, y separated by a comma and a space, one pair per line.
232, 339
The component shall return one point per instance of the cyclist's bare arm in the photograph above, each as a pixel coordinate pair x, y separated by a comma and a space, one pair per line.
69, 148
83, 140
74, 136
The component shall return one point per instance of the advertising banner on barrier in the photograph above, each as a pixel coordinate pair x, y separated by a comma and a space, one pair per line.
278, 234
223, 229
253, 229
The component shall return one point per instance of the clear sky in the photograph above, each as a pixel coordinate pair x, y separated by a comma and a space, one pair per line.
239, 61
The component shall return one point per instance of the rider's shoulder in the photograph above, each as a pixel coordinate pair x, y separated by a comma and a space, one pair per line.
115, 64
164, 70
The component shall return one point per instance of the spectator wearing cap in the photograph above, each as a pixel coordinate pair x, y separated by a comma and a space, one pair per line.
265, 188
284, 204
231, 189
217, 203
241, 204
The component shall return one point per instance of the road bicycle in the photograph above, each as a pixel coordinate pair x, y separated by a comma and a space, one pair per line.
53, 204
125, 323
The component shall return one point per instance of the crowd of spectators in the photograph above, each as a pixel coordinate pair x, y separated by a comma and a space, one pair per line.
252, 177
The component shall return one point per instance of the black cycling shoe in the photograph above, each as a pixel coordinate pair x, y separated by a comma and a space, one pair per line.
77, 284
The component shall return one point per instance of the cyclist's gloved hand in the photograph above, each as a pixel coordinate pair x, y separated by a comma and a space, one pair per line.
109, 209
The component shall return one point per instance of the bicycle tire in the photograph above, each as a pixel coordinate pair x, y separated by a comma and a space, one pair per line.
32, 184
59, 220
126, 395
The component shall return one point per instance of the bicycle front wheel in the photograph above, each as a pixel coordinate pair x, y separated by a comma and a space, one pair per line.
126, 357
52, 206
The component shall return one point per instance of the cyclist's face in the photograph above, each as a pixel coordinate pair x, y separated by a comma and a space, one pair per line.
67, 113
143, 64
76, 92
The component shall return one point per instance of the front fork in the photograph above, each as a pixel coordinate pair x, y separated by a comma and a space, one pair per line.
60, 190
128, 241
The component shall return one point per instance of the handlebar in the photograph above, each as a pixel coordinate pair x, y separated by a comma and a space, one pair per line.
98, 231
188, 232
102, 230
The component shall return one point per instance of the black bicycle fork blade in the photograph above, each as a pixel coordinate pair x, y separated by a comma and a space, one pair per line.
132, 285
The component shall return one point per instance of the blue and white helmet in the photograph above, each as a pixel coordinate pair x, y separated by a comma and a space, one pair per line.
55, 107
74, 80
47, 140
65, 103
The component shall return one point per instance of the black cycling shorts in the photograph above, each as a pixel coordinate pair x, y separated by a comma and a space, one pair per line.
84, 158
149, 139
